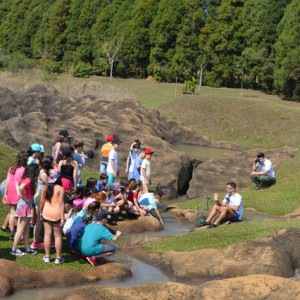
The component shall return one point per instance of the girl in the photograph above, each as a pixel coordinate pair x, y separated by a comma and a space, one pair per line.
90, 187
77, 206
35, 152
57, 145
68, 169
14, 176
25, 190
132, 155
135, 189
52, 213
45, 167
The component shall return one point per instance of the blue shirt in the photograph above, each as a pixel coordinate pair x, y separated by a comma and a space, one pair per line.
75, 234
90, 242
136, 171
148, 200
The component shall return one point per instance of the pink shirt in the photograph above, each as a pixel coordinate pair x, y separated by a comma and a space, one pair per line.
28, 189
12, 196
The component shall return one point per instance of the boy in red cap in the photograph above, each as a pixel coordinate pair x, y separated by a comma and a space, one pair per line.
146, 168
105, 153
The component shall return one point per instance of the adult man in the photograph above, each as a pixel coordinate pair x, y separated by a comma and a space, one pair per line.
105, 153
262, 174
230, 209
113, 162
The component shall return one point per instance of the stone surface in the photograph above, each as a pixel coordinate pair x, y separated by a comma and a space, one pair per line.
16, 277
248, 287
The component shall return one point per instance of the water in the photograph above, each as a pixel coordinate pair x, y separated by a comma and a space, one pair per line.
202, 152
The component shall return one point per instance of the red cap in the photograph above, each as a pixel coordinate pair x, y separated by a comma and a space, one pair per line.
149, 151
110, 137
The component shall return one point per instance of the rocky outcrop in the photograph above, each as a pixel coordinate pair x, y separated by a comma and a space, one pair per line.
16, 277
278, 255
248, 287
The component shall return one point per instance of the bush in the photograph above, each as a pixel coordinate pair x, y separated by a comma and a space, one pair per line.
83, 69
15, 62
189, 86
51, 66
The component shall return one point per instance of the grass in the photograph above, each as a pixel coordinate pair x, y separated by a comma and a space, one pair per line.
221, 237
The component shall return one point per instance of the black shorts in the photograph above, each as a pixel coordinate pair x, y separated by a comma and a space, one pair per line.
51, 222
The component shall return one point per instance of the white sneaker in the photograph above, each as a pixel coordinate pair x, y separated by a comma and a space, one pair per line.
47, 259
17, 252
59, 261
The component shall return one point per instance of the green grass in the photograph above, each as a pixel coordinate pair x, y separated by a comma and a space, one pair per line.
220, 237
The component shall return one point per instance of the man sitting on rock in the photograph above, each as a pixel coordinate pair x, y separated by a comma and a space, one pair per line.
262, 174
230, 209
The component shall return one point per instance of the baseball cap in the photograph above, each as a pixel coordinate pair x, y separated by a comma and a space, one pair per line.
90, 153
149, 151
37, 147
87, 217
110, 137
64, 132
101, 215
116, 141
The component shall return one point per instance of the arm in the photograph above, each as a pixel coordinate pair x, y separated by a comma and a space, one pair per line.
75, 165
59, 166
118, 234
127, 164
43, 199
5, 191
160, 219
57, 150
61, 205
20, 191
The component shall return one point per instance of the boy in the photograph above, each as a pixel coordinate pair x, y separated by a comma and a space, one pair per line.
105, 153
113, 162
146, 168
102, 182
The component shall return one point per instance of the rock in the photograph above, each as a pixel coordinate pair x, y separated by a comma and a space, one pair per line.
19, 278
248, 287
139, 225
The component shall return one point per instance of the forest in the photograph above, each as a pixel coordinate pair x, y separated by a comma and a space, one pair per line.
232, 43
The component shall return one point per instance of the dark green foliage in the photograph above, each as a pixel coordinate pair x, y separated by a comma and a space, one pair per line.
234, 42
83, 69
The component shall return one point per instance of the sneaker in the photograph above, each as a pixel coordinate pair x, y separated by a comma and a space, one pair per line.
31, 251
212, 226
11, 237
38, 246
17, 252
82, 258
59, 261
120, 217
47, 259
7, 230
92, 260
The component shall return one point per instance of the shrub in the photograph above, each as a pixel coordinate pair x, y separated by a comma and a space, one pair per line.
189, 86
83, 69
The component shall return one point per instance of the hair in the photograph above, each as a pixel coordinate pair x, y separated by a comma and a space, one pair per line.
134, 184
75, 210
232, 184
93, 207
46, 165
76, 191
103, 176
100, 196
32, 171
260, 155
91, 182
50, 189
78, 143
20, 161
59, 138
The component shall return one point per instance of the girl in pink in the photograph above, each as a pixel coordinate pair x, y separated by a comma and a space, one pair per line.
25, 190
14, 176
53, 216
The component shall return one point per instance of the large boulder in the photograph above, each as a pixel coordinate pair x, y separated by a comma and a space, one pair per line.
16, 277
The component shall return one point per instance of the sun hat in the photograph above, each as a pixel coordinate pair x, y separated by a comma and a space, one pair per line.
78, 202
149, 151
88, 201
37, 147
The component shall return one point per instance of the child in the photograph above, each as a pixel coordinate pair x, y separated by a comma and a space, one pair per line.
57, 145
77, 230
35, 153
112, 204
113, 162
26, 190
146, 168
135, 189
77, 207
52, 213
105, 153
132, 155
138, 164
79, 156
102, 182
90, 187
90, 243
14, 176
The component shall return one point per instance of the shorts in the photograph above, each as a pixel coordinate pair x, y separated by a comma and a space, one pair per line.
24, 209
108, 248
111, 178
234, 218
51, 222
67, 184
103, 168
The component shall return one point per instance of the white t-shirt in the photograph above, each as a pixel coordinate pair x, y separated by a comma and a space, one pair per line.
235, 200
113, 155
147, 167
267, 165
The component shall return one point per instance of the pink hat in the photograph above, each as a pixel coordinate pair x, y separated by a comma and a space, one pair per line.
88, 201
78, 202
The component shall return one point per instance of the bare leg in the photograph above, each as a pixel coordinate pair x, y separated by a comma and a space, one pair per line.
58, 239
23, 223
47, 237
6, 221
12, 219
38, 227
226, 212
215, 209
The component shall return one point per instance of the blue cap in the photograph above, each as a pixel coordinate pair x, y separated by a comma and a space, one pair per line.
37, 147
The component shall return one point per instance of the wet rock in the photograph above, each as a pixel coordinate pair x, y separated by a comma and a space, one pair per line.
18, 278
139, 225
248, 287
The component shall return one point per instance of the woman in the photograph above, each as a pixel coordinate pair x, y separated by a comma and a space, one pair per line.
57, 145
11, 197
53, 215
25, 190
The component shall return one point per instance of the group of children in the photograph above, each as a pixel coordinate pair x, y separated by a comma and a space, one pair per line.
49, 189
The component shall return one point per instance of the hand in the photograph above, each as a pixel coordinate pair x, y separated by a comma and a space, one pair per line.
4, 199
62, 222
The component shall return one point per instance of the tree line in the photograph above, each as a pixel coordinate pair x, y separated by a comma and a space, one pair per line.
232, 43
